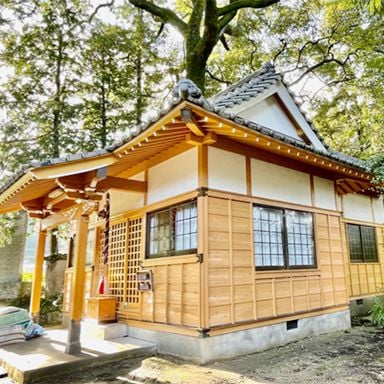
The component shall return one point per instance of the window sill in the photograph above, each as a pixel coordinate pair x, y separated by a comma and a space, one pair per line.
287, 272
364, 262
169, 260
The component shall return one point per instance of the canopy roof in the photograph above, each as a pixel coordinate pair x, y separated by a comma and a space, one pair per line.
44, 188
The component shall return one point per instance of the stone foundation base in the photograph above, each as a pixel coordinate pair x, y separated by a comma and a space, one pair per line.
10, 290
242, 342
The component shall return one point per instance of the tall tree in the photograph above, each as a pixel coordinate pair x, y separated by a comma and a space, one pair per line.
202, 28
120, 76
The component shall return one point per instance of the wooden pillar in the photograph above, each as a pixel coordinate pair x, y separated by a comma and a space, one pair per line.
78, 282
34, 308
202, 165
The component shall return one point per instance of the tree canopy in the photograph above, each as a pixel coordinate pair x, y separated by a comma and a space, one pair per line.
76, 75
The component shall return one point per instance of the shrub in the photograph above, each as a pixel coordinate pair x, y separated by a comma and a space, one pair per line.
377, 312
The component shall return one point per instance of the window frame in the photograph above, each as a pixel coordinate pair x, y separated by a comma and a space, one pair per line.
171, 252
284, 232
363, 259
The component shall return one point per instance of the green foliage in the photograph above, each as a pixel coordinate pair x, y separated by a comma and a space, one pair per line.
50, 307
376, 166
377, 312
7, 228
27, 277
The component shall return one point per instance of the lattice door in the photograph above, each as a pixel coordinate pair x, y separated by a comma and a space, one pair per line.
116, 262
135, 242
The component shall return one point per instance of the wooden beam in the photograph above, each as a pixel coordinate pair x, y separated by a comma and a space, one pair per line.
34, 206
101, 174
71, 183
34, 308
51, 202
193, 139
208, 139
78, 282
190, 121
122, 184
73, 167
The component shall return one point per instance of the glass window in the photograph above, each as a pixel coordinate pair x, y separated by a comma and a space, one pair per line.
173, 231
282, 238
362, 243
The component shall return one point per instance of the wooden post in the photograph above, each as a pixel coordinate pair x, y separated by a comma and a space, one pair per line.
34, 308
78, 281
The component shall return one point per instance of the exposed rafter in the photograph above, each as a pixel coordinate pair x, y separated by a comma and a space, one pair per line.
191, 122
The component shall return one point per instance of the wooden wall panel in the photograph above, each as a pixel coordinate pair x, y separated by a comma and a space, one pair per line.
175, 298
331, 259
230, 262
365, 279
238, 293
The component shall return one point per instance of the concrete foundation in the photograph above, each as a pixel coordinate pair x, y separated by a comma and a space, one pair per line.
361, 307
93, 329
237, 343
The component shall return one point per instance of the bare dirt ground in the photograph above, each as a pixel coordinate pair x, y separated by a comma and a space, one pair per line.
353, 356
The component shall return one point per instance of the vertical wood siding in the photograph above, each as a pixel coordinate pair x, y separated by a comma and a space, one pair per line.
237, 293
175, 298
365, 279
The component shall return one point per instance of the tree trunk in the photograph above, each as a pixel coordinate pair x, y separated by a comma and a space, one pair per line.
11, 260
139, 68
104, 120
196, 69
55, 142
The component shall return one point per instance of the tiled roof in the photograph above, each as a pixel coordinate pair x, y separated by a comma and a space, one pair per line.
254, 85
247, 88
187, 90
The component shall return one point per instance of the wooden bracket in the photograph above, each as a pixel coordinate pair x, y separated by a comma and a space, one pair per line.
188, 118
209, 138
122, 184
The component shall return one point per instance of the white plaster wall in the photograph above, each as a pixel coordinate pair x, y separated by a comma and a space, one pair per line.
123, 201
279, 183
173, 177
226, 171
324, 193
139, 176
269, 113
378, 210
357, 207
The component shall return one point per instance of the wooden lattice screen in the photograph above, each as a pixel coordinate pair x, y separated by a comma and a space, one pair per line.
116, 261
133, 259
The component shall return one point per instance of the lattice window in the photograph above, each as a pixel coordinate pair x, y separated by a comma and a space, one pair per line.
362, 243
117, 252
134, 252
283, 238
173, 231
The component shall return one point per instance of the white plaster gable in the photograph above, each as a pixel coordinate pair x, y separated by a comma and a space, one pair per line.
265, 110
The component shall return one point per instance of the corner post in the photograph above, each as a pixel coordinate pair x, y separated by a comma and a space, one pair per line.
78, 281
34, 307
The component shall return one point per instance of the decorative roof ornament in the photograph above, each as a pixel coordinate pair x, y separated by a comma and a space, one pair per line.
186, 89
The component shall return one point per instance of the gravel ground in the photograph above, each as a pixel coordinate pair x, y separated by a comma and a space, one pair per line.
353, 356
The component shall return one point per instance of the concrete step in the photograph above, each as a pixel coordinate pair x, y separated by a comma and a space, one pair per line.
94, 330
38, 358
7, 380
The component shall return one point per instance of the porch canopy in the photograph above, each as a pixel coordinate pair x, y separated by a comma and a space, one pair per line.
59, 190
